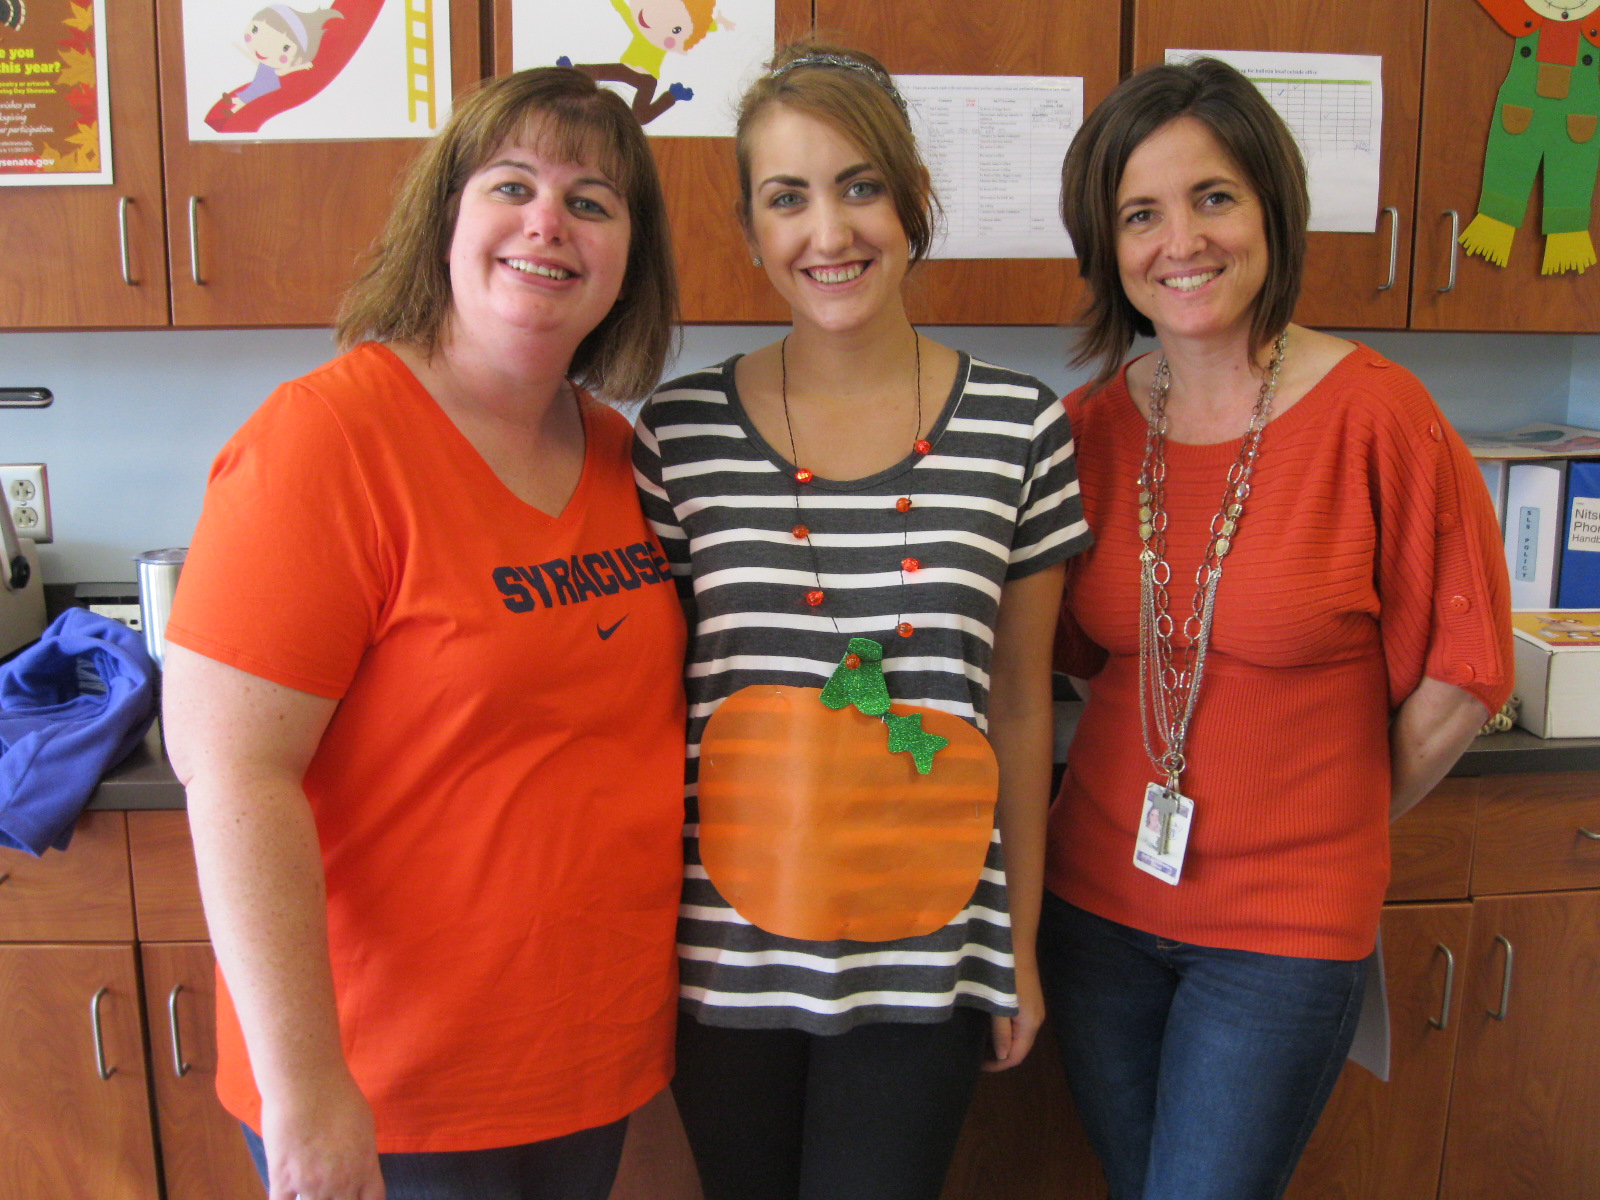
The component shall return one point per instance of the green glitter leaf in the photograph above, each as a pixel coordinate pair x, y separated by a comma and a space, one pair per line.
862, 685
907, 735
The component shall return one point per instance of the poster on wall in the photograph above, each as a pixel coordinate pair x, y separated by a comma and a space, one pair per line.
681, 64
54, 124
357, 69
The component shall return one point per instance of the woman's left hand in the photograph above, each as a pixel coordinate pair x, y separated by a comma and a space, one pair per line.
1013, 1036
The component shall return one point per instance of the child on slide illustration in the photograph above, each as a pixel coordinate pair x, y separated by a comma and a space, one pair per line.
658, 26
279, 40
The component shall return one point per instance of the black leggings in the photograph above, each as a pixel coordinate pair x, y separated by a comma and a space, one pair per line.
872, 1114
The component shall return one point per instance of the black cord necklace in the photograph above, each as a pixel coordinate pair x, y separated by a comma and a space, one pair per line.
858, 679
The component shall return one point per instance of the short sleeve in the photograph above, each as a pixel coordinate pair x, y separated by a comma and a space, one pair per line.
1444, 596
1050, 524
267, 587
648, 476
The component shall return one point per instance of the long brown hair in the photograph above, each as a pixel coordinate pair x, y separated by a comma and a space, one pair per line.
1253, 135
404, 296
862, 103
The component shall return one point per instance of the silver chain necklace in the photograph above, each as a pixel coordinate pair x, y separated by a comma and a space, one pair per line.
1169, 679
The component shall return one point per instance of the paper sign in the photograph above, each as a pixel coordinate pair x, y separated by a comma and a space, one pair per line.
994, 145
360, 69
683, 65
1333, 104
54, 124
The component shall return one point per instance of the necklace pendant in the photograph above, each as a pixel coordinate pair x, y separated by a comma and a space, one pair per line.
801, 533
905, 629
922, 445
815, 597
803, 476
903, 504
859, 683
910, 564
1223, 546
1145, 530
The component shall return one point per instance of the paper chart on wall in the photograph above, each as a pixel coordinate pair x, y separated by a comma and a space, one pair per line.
1333, 103
357, 69
994, 146
681, 64
55, 127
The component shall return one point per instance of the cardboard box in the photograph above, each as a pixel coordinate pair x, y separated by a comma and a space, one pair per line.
1558, 671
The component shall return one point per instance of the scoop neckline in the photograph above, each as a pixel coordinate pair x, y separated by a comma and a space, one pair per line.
818, 482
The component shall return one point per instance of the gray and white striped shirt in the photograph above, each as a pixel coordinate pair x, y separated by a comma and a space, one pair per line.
995, 500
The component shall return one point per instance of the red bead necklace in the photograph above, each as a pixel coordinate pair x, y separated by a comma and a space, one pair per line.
816, 597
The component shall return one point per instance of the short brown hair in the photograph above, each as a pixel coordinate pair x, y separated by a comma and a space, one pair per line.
860, 102
1252, 134
405, 293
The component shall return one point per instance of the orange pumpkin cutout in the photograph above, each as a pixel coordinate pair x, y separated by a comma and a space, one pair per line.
811, 829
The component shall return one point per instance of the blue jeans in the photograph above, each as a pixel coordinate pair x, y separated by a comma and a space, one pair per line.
1199, 1073
579, 1166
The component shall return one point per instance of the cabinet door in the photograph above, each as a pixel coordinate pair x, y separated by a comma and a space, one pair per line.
1347, 275
1467, 58
1023, 1139
65, 1132
79, 896
1430, 848
957, 37
166, 889
64, 256
1538, 833
203, 1156
272, 233
1525, 1106
716, 280
1384, 1141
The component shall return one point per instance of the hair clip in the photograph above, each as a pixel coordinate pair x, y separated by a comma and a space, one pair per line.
849, 64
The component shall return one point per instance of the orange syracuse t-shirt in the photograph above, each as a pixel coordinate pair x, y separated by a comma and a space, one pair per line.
499, 793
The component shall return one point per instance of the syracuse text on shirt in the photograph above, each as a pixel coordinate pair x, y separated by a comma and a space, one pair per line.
581, 577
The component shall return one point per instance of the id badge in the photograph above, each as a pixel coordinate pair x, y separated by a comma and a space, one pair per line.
1163, 833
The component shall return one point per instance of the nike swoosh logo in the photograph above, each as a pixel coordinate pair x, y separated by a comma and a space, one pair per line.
606, 633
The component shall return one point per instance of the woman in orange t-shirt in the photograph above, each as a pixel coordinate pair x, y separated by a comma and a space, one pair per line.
1292, 622
423, 689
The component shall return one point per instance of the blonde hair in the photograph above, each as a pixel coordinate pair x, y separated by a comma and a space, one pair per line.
852, 92
702, 15
404, 295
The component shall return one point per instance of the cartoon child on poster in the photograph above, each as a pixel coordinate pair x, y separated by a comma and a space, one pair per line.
1547, 112
279, 40
658, 27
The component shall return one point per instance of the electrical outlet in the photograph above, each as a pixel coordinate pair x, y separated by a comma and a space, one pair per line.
26, 490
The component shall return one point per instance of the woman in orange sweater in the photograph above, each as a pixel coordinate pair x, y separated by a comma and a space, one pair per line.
1219, 850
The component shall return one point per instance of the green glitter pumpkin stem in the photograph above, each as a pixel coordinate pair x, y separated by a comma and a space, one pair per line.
858, 680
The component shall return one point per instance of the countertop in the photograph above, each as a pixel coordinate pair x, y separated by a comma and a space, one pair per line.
145, 779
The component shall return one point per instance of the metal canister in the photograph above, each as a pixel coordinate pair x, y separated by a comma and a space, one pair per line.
158, 583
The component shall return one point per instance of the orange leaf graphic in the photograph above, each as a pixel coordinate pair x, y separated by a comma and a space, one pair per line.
82, 17
76, 68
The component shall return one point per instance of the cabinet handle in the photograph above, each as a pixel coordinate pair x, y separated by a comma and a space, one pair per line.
1588, 833
179, 1067
1442, 1021
1505, 982
1394, 246
122, 241
99, 1040
1455, 243
194, 240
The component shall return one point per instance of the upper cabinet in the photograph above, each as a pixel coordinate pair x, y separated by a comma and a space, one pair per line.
957, 37
271, 233
96, 255
1469, 57
1354, 280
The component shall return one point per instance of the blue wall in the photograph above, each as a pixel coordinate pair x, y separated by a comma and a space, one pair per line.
138, 416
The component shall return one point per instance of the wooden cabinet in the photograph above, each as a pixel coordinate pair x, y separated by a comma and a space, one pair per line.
956, 37
238, 233
271, 233
1468, 55
1352, 280
79, 995
97, 254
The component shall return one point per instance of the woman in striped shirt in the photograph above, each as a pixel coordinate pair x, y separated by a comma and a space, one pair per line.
853, 498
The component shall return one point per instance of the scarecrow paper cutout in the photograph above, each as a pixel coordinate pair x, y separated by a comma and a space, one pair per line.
1546, 112
659, 27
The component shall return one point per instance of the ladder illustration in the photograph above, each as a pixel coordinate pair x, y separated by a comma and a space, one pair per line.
421, 89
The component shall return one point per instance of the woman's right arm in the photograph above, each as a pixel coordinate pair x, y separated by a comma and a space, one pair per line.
240, 745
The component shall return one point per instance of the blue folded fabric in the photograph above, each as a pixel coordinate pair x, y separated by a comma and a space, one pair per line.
72, 706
